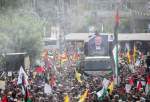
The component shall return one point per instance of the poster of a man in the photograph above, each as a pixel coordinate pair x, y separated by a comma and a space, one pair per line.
98, 42
98, 45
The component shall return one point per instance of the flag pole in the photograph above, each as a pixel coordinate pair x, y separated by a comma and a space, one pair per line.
117, 18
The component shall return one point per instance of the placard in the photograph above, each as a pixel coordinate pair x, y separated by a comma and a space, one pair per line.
47, 89
2, 84
128, 88
9, 74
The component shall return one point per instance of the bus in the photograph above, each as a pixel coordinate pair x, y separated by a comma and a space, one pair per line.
97, 58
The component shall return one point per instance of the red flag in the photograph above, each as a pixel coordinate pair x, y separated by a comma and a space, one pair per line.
4, 99
139, 85
131, 81
117, 18
148, 79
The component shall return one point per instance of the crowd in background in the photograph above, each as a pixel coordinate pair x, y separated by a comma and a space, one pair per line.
72, 86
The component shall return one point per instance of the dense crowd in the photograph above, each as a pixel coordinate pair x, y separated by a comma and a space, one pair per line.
134, 83
74, 89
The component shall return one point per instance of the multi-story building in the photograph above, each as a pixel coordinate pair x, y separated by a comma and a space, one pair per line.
80, 15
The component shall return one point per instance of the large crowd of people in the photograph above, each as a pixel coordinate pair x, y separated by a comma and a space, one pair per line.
132, 86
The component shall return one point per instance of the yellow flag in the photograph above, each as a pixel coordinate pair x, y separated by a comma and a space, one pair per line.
78, 76
111, 87
66, 98
128, 56
63, 58
134, 54
83, 97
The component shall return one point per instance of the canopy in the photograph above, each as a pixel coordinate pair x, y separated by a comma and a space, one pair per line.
121, 36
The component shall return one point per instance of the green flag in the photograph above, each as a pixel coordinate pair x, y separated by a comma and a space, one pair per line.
102, 93
115, 55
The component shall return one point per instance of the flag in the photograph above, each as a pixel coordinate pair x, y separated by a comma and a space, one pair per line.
84, 96
23, 90
27, 94
111, 87
4, 99
78, 76
105, 83
115, 43
115, 55
143, 83
148, 79
66, 98
22, 78
64, 57
128, 53
147, 89
131, 81
29, 100
128, 56
23, 81
139, 85
134, 54
117, 20
102, 93
75, 56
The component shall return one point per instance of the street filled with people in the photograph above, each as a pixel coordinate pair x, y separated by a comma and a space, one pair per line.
71, 85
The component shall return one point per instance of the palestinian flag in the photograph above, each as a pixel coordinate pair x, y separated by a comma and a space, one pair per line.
139, 86
27, 96
102, 93
115, 43
147, 88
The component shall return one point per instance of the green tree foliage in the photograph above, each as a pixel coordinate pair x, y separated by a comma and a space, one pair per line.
20, 31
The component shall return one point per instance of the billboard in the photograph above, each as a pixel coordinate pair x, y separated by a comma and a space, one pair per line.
98, 45
14, 62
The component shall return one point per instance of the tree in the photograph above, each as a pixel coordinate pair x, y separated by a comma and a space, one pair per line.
21, 31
